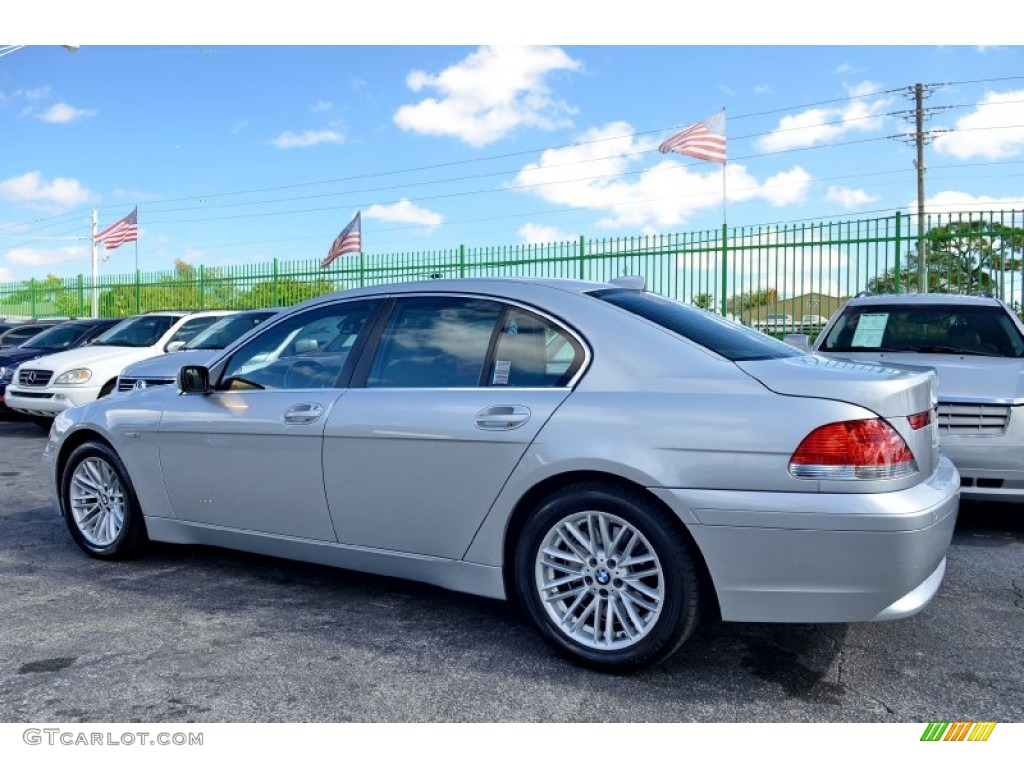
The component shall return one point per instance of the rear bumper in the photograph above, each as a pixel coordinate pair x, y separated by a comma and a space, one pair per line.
815, 558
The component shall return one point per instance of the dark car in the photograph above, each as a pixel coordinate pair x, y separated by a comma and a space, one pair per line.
25, 331
68, 334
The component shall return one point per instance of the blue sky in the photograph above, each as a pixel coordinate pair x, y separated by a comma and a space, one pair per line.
242, 153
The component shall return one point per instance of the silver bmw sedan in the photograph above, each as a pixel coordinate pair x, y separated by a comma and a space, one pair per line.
614, 462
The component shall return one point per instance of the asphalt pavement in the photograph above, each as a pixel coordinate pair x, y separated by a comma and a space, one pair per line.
193, 634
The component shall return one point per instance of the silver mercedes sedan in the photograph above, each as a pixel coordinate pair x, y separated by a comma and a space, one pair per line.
614, 462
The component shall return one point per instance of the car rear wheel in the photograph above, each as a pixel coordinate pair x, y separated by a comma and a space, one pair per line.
608, 577
99, 504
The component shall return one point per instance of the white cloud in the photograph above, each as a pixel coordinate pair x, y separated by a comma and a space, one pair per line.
289, 140
488, 94
824, 124
321, 106
32, 188
995, 130
64, 113
762, 89
849, 69
956, 202
35, 94
6, 276
42, 257
239, 125
537, 234
594, 174
405, 212
849, 198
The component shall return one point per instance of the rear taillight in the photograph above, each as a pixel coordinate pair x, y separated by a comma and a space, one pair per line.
922, 419
865, 449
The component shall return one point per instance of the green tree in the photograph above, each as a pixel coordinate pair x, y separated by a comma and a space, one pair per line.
184, 288
703, 300
289, 291
962, 257
752, 300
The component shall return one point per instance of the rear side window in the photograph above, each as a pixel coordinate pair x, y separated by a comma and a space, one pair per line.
731, 341
435, 342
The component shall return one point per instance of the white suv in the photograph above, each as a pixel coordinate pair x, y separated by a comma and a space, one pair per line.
48, 385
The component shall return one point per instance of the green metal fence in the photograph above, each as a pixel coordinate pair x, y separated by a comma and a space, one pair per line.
799, 271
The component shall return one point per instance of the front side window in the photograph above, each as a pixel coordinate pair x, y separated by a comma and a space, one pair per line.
436, 341
963, 329
305, 351
190, 328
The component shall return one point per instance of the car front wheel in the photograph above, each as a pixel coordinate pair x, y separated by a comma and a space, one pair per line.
608, 577
99, 503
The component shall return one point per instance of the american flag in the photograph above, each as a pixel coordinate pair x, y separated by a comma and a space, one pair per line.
124, 231
350, 240
704, 140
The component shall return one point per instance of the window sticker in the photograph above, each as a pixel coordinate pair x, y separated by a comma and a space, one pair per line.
870, 330
502, 368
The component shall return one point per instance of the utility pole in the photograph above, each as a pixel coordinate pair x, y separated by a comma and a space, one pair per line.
919, 137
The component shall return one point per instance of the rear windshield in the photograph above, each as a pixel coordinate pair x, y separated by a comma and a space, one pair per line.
731, 341
961, 329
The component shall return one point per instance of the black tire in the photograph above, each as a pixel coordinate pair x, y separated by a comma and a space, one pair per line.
110, 526
635, 629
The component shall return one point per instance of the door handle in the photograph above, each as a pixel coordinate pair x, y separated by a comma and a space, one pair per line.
502, 417
303, 413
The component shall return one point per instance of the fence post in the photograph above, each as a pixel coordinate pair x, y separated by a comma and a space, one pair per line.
32, 296
462, 260
725, 267
81, 297
583, 257
202, 287
138, 292
273, 291
899, 247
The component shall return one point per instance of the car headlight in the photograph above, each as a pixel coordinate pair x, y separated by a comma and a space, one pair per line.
5, 373
74, 376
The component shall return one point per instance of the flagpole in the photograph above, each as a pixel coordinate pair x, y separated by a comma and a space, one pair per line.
725, 236
95, 270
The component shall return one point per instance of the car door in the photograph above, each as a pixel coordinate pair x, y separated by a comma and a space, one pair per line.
248, 455
437, 419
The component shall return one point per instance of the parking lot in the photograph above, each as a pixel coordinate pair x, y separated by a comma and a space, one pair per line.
198, 634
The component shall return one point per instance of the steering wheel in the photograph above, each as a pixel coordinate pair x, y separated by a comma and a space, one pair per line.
306, 373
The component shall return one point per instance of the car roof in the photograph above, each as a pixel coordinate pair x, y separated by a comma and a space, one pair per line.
512, 287
923, 299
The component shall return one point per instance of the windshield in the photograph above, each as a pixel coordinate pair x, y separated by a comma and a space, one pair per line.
731, 341
141, 331
58, 338
964, 329
226, 330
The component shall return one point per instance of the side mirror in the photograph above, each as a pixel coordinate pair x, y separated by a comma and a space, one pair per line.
194, 380
174, 346
799, 340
